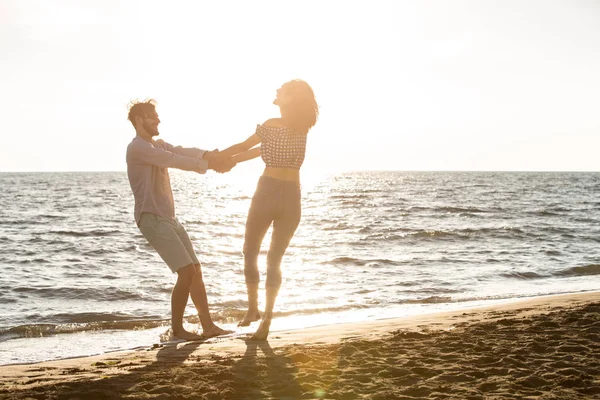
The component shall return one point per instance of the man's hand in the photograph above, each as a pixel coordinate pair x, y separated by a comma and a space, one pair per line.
210, 155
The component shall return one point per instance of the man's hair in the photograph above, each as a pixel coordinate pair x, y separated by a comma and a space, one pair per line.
139, 108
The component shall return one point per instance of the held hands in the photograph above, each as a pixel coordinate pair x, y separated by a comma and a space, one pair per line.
217, 162
221, 165
210, 155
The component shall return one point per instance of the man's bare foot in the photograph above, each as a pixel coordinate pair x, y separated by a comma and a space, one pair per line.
215, 331
250, 317
185, 335
263, 330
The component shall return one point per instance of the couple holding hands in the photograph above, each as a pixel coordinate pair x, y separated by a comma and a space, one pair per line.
281, 142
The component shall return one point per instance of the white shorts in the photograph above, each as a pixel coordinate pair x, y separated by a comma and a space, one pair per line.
169, 239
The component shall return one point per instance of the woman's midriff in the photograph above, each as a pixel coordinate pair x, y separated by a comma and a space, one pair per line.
284, 174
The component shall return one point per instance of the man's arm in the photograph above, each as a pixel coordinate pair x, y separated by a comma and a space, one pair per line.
141, 152
182, 151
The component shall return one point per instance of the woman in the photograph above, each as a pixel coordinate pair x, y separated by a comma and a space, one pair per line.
277, 197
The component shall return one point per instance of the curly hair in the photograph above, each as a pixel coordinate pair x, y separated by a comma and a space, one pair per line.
139, 108
302, 111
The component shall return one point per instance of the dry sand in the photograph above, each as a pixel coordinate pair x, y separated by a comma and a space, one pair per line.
542, 348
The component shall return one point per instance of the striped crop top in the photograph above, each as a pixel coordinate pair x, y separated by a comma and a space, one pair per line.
281, 147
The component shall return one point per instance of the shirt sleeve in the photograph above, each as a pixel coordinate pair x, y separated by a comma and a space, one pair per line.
266, 132
182, 151
141, 152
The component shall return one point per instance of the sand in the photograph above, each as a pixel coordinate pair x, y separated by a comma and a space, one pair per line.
541, 348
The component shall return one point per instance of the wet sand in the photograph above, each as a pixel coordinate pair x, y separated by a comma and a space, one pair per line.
541, 348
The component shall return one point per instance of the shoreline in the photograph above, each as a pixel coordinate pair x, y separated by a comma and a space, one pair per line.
407, 313
130, 367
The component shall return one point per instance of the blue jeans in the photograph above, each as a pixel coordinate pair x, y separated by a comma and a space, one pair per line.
278, 202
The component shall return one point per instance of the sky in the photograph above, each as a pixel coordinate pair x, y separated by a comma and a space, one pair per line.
402, 85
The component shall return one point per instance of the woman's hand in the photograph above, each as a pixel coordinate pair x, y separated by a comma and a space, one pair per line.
221, 164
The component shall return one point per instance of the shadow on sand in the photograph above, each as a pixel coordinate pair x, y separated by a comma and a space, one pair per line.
178, 374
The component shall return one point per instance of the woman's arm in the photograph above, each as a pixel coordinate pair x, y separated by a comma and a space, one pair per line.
247, 155
241, 147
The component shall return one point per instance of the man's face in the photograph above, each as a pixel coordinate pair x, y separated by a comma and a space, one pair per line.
150, 123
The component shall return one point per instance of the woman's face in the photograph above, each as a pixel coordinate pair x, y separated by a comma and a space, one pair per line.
282, 98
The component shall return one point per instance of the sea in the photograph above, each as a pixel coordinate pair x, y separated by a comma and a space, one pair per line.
77, 277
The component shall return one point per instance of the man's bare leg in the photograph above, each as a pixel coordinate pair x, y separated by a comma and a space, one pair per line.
265, 325
198, 292
252, 314
179, 299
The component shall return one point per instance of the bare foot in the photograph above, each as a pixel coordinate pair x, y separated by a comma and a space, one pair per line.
250, 316
185, 335
214, 331
263, 330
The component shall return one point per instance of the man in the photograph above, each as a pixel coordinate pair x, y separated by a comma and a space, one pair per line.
147, 164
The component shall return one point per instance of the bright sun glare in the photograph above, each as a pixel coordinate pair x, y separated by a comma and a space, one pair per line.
402, 85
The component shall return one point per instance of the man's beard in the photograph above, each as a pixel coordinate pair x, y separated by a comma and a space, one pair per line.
152, 130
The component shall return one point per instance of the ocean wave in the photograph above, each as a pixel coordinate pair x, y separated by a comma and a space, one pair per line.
24, 222
427, 300
100, 252
94, 233
42, 329
523, 275
545, 213
82, 322
591, 269
552, 252
232, 314
585, 220
436, 289
362, 262
448, 209
194, 222
341, 226
506, 232
74, 293
35, 260
364, 291
349, 196
457, 210
84, 318
25, 253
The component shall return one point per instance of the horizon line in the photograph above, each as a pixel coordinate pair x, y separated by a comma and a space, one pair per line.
328, 172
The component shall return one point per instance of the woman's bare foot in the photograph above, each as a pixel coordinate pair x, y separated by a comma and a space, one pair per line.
250, 317
185, 335
214, 331
263, 330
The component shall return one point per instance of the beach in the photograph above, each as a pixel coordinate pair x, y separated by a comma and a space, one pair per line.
539, 348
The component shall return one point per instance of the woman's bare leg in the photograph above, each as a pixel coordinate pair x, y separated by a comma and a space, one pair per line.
253, 314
